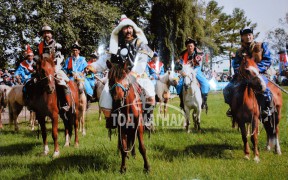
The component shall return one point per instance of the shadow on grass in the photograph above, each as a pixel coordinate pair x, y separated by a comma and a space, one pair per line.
219, 151
17, 149
79, 163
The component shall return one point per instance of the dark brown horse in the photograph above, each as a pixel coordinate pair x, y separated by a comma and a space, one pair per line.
127, 112
245, 108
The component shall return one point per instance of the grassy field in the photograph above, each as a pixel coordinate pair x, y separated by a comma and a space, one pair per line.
214, 153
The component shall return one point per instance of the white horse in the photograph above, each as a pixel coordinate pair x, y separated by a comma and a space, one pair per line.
162, 91
4, 90
191, 96
99, 86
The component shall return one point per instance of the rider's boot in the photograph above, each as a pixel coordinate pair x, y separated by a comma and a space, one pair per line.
229, 113
67, 103
267, 106
204, 101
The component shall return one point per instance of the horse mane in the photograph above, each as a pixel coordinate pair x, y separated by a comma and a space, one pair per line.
188, 69
116, 72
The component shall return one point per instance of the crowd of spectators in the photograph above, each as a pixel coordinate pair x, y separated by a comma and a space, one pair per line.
7, 77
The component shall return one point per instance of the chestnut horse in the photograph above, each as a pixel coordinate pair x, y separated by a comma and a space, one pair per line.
42, 98
245, 108
127, 112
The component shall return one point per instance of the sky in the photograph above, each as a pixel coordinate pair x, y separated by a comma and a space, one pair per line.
266, 13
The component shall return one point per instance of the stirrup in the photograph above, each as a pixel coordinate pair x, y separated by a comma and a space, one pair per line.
65, 108
229, 113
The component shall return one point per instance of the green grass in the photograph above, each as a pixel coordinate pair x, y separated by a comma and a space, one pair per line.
215, 153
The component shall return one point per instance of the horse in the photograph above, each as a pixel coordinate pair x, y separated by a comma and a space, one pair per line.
15, 105
245, 107
4, 90
127, 112
162, 91
42, 98
70, 118
192, 98
82, 103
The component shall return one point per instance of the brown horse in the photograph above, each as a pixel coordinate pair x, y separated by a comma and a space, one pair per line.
70, 118
42, 98
245, 108
127, 113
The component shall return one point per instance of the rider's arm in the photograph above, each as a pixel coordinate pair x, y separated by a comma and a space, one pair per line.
266, 61
236, 62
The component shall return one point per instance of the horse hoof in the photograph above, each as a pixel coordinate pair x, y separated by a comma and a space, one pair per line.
247, 157
278, 152
46, 150
84, 133
76, 145
268, 148
67, 144
123, 170
257, 159
56, 154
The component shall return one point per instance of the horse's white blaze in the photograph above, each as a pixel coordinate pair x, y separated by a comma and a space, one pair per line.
256, 71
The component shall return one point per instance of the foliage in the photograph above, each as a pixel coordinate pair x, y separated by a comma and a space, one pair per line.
214, 153
166, 24
86, 21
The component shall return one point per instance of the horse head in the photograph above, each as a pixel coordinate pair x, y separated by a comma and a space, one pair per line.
46, 70
189, 75
249, 73
118, 83
80, 82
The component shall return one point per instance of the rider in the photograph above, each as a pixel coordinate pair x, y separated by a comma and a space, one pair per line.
127, 35
155, 68
47, 46
75, 65
193, 55
261, 54
26, 67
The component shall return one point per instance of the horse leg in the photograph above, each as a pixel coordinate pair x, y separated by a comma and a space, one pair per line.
142, 148
245, 141
76, 120
122, 144
83, 123
99, 110
1, 126
187, 114
254, 139
44, 134
13, 115
54, 119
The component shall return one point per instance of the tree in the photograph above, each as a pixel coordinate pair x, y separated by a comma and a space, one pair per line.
88, 21
171, 23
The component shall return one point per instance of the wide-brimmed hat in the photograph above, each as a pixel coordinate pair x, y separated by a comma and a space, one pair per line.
124, 21
76, 46
46, 28
246, 31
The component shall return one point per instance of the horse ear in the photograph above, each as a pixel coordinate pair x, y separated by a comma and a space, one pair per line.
109, 64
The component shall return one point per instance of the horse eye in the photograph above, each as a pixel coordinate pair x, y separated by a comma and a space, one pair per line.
247, 71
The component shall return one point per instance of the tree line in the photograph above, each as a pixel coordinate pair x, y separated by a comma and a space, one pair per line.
166, 24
